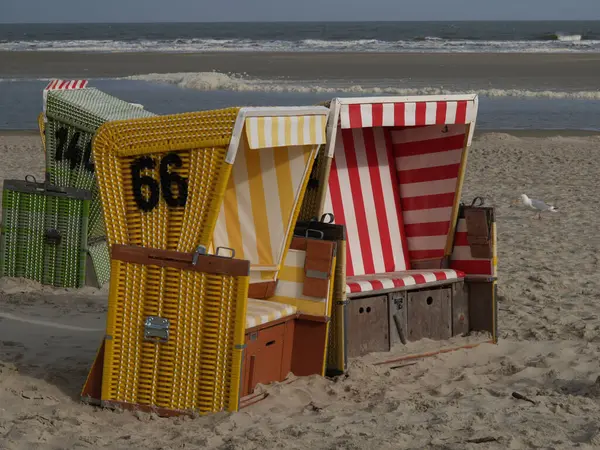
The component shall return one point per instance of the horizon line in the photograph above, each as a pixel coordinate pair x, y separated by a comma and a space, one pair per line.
293, 21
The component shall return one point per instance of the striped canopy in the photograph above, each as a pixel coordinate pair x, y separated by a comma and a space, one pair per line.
66, 84
285, 131
272, 152
399, 113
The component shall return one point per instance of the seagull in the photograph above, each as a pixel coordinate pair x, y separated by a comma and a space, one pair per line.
538, 205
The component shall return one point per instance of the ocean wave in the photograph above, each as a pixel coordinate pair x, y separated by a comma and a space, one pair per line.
568, 43
215, 81
566, 37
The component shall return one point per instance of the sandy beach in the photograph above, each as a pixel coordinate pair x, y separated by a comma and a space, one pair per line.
549, 348
506, 71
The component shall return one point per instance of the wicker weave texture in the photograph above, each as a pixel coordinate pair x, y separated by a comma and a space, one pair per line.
42, 128
73, 118
162, 179
336, 352
199, 367
100, 257
44, 236
315, 188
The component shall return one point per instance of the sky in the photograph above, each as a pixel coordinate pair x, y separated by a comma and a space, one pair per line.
35, 11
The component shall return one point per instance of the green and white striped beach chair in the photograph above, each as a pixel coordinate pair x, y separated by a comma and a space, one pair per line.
72, 117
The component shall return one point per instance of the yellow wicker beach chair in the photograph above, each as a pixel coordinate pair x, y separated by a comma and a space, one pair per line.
176, 314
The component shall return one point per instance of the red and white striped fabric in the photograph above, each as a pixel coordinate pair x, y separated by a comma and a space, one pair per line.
400, 114
407, 279
461, 255
66, 84
393, 182
363, 195
428, 164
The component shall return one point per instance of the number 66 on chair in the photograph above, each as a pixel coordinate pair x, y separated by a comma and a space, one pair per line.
167, 178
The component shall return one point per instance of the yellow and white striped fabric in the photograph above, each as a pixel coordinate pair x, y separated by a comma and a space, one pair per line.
265, 189
259, 312
286, 131
291, 282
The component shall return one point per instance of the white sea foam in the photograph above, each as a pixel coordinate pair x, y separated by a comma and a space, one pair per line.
213, 81
561, 43
565, 37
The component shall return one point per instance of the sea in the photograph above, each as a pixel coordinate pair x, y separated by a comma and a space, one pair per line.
516, 108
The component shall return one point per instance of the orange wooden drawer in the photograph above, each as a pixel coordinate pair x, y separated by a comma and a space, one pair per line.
268, 353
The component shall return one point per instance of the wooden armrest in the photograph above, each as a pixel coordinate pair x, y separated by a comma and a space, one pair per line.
322, 319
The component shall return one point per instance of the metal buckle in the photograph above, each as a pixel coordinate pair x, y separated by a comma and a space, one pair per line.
231, 250
317, 232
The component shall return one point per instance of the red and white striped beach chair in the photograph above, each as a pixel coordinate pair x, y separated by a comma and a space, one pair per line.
395, 182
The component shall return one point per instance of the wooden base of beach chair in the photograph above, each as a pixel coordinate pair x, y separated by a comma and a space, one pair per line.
460, 309
453, 301
310, 345
483, 305
268, 353
368, 326
293, 344
429, 314
378, 322
92, 389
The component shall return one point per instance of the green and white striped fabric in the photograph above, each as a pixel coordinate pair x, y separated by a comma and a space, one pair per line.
44, 233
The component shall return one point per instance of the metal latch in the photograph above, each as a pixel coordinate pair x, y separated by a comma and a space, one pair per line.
317, 274
156, 329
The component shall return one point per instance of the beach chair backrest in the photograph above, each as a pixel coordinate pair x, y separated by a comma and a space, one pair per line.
363, 196
428, 162
396, 177
73, 115
162, 179
275, 149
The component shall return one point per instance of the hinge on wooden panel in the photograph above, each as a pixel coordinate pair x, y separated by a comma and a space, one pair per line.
201, 250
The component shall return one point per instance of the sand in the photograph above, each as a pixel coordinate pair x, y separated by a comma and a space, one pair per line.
562, 72
549, 348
